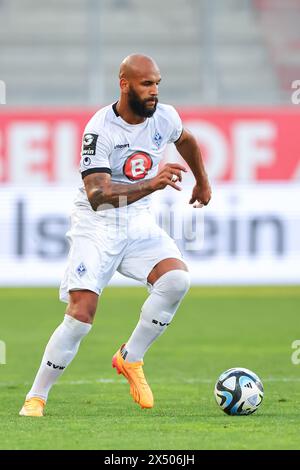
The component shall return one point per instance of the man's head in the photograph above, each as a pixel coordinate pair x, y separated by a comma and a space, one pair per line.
139, 78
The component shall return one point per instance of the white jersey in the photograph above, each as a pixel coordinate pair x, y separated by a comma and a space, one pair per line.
128, 152
111, 240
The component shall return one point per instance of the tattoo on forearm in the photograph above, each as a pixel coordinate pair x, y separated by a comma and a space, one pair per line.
120, 194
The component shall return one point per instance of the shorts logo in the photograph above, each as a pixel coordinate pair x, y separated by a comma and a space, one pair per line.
81, 269
137, 165
89, 144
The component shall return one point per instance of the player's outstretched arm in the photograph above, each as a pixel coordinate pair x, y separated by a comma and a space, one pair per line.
102, 191
188, 148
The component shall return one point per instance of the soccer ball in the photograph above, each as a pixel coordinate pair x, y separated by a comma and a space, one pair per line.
239, 391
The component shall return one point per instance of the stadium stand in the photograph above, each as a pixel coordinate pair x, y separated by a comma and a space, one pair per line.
280, 24
67, 52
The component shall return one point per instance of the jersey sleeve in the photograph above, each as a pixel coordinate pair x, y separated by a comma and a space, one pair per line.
176, 125
95, 152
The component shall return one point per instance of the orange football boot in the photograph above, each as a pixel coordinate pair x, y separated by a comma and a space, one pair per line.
33, 407
133, 371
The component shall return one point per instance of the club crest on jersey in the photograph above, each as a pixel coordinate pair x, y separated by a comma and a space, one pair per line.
89, 144
137, 165
157, 139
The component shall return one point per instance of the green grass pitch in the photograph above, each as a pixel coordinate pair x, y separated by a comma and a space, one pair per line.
214, 329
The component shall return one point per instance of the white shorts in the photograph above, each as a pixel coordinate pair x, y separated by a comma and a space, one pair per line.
100, 245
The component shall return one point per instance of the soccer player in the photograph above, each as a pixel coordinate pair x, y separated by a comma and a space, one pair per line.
112, 228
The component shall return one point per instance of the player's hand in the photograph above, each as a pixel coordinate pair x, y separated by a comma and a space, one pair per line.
168, 176
201, 195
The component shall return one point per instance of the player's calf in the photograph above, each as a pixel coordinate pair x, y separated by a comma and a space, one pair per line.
60, 350
157, 312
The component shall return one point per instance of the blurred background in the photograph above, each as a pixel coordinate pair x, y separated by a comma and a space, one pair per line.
232, 70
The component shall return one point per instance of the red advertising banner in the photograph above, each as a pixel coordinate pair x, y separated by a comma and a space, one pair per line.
41, 146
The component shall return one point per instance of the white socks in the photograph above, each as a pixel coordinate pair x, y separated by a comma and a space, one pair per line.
60, 350
157, 312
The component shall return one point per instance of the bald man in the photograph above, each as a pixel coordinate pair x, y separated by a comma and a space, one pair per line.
113, 230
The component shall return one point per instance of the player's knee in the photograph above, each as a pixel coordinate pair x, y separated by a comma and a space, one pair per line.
82, 307
85, 315
175, 283
180, 283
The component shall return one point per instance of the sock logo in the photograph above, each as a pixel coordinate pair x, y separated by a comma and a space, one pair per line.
160, 323
55, 366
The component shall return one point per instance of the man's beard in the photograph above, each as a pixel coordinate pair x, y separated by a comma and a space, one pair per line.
138, 106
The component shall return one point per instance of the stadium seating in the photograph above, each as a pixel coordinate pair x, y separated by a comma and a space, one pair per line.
67, 51
280, 24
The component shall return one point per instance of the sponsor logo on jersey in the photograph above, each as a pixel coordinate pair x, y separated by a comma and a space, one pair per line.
121, 146
157, 139
137, 165
87, 161
89, 144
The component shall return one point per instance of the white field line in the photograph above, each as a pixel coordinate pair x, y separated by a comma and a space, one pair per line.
192, 380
